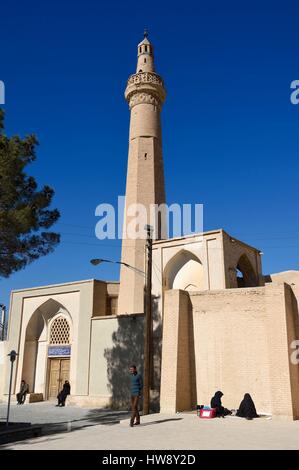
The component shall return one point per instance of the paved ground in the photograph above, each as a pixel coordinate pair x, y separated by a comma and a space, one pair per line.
56, 419
180, 431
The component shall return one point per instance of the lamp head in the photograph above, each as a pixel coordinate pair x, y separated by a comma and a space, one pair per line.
96, 261
12, 355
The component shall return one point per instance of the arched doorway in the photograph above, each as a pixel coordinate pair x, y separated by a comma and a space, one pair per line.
184, 271
246, 276
49, 324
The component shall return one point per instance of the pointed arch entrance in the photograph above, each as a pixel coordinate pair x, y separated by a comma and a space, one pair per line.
246, 276
184, 271
47, 346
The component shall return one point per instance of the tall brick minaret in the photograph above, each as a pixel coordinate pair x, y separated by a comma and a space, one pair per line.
145, 94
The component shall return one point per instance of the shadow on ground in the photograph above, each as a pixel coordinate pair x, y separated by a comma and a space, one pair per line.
160, 421
94, 417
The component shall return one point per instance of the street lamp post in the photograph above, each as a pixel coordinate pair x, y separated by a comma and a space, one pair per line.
148, 326
12, 355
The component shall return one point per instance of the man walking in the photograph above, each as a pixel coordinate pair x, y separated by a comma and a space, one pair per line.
136, 391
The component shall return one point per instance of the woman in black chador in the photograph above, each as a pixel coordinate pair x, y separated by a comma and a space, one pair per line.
216, 403
247, 408
66, 390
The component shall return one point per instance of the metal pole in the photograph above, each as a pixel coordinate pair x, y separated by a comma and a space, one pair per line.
148, 325
12, 356
9, 393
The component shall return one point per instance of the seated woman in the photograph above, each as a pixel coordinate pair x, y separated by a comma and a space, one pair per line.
66, 390
247, 408
21, 396
216, 403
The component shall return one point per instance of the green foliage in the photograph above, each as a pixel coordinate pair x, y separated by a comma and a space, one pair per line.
24, 214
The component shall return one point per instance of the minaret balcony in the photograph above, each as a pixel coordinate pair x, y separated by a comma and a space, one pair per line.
145, 83
145, 77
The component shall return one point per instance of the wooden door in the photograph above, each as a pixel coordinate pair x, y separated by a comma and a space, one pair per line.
59, 373
54, 378
64, 371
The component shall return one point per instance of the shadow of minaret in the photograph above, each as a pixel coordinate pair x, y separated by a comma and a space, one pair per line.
127, 349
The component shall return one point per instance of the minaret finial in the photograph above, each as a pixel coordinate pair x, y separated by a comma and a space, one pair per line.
145, 33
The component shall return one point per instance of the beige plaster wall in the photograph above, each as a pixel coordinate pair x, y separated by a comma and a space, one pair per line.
101, 339
116, 342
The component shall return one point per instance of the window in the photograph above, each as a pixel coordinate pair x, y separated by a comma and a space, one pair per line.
145, 48
145, 60
60, 331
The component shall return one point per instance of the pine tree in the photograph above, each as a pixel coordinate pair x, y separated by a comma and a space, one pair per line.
24, 214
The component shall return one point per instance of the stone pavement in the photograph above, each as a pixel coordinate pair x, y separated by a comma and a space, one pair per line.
180, 431
56, 419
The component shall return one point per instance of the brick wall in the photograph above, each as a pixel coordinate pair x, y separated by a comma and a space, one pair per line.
239, 343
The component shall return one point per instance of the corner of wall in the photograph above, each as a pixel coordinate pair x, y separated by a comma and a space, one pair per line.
176, 380
282, 329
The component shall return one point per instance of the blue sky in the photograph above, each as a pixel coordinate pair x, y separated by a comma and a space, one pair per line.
230, 132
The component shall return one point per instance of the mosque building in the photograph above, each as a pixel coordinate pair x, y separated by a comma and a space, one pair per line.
218, 322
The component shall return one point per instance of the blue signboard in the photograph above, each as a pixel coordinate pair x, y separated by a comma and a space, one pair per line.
59, 351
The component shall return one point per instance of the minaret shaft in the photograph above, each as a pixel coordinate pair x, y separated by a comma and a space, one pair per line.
145, 94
